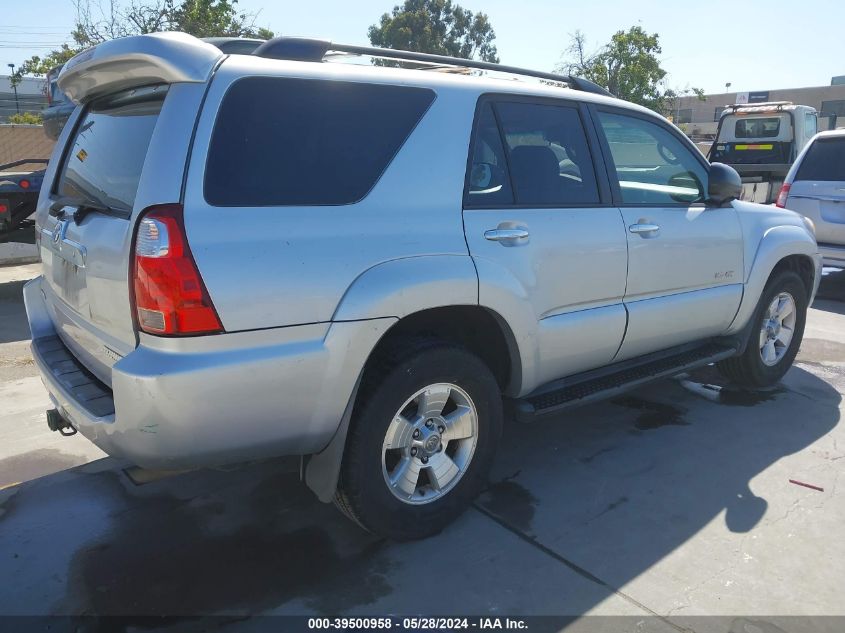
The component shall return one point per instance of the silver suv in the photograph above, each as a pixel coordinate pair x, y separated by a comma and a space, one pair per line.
257, 255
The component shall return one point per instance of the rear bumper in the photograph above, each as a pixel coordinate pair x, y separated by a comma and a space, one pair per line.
833, 254
201, 401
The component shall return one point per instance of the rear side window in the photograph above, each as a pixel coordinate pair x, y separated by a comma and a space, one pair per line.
768, 127
283, 142
104, 160
825, 160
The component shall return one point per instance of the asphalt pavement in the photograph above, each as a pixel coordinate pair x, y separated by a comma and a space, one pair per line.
676, 501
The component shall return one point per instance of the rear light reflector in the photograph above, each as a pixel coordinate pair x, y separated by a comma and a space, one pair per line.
169, 295
24, 184
782, 196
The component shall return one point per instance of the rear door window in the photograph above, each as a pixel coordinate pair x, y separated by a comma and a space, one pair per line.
825, 160
548, 155
104, 160
285, 142
489, 182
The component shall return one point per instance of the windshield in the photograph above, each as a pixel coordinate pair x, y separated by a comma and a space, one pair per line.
104, 161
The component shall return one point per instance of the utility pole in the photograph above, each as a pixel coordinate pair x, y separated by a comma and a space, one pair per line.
15, 88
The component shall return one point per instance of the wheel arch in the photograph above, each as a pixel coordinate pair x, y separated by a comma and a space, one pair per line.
479, 329
781, 247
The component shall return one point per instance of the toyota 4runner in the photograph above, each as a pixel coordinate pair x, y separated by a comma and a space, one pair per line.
270, 254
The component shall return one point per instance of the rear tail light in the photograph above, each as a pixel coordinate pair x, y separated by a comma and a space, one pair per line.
170, 297
783, 195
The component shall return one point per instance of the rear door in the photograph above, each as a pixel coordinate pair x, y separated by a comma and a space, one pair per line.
684, 258
118, 143
537, 212
818, 190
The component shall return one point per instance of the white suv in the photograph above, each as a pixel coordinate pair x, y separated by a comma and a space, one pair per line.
815, 188
269, 254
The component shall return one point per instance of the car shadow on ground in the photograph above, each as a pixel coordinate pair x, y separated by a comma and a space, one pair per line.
607, 490
832, 286
13, 323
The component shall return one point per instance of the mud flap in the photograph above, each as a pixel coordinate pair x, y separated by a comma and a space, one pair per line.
323, 469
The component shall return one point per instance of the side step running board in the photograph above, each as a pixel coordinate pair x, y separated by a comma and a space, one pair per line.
608, 382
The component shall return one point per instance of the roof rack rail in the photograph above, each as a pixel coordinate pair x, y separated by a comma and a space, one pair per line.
764, 104
313, 50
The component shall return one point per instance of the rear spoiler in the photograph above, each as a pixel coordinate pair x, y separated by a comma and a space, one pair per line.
142, 60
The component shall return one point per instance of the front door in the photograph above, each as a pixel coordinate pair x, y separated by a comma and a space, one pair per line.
543, 232
685, 259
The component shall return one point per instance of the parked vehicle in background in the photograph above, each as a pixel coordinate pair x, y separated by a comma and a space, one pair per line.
59, 107
761, 142
363, 281
815, 188
20, 186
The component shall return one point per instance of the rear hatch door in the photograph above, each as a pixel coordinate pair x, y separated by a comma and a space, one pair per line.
125, 149
818, 190
85, 241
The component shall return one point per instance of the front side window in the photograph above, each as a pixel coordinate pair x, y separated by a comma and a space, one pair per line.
768, 127
810, 125
548, 155
300, 142
652, 165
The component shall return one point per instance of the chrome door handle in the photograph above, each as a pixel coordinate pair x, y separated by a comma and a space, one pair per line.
503, 235
644, 229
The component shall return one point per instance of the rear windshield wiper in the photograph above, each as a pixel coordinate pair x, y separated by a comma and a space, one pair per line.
84, 207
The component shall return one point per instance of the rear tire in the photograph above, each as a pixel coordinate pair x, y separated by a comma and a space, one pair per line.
421, 440
776, 333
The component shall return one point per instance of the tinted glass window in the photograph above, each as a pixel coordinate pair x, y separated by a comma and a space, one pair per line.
488, 182
825, 160
652, 164
304, 142
757, 128
548, 157
105, 158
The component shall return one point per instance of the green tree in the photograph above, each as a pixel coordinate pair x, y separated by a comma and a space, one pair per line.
436, 26
628, 66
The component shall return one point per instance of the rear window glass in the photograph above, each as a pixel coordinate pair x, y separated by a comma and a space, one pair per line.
104, 161
768, 127
825, 160
280, 142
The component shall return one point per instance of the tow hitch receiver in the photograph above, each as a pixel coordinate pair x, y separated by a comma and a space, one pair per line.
57, 423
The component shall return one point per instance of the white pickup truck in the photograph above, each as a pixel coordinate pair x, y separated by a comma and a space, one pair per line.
761, 142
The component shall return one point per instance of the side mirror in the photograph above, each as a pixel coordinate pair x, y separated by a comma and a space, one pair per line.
724, 184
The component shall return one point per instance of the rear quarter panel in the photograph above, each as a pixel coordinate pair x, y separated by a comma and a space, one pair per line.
278, 266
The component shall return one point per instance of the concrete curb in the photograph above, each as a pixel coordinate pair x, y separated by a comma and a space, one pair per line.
19, 261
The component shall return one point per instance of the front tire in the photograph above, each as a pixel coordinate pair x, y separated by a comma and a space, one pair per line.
421, 440
775, 336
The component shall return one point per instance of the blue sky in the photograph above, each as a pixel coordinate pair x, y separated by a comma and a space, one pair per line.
754, 45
